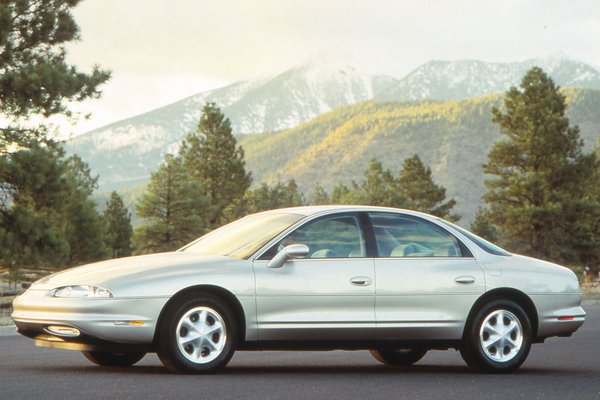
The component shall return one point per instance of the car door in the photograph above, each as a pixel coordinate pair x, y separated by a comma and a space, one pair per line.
328, 295
427, 280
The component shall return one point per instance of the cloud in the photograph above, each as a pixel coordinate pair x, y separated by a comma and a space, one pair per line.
160, 50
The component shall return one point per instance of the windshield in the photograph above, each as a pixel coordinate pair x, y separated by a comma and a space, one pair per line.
484, 244
240, 239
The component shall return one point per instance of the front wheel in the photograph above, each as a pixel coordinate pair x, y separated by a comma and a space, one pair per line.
399, 357
198, 335
498, 339
106, 359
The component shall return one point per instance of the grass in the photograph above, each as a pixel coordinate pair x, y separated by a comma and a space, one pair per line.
591, 291
5, 309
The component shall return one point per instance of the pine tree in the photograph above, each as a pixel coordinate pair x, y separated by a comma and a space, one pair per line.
376, 189
48, 215
34, 75
420, 193
412, 189
172, 209
292, 197
482, 226
280, 195
261, 198
319, 196
590, 252
340, 194
84, 226
539, 190
33, 193
119, 230
211, 156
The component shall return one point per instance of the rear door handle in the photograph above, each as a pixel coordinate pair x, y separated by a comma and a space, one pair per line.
361, 281
464, 279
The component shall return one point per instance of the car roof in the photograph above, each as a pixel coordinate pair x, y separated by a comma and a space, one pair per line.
313, 210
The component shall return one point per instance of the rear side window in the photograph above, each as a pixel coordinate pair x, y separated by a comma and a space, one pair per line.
404, 236
482, 243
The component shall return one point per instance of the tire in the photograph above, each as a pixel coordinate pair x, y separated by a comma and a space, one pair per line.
505, 352
399, 357
197, 335
106, 359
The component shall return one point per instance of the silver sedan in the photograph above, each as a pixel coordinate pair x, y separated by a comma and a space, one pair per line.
395, 282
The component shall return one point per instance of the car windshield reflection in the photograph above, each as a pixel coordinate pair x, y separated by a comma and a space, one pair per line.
240, 239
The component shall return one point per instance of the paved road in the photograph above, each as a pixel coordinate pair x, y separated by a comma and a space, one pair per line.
562, 368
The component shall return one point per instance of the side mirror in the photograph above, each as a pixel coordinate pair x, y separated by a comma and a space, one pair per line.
288, 252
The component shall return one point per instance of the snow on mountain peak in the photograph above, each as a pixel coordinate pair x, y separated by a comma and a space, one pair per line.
124, 151
443, 80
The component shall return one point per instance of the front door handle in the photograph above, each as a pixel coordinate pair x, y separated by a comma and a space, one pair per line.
464, 279
361, 281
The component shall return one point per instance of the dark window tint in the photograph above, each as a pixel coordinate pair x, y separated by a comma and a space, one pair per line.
404, 236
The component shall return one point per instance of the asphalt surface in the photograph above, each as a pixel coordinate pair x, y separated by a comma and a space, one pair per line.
561, 368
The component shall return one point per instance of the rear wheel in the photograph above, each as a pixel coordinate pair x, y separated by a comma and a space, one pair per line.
198, 335
498, 339
106, 359
399, 357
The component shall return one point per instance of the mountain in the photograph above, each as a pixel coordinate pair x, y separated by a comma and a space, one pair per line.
448, 80
452, 137
125, 152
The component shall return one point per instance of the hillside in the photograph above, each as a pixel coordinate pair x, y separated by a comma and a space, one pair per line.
452, 137
125, 152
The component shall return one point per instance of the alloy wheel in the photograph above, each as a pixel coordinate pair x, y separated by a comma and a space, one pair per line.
501, 336
201, 335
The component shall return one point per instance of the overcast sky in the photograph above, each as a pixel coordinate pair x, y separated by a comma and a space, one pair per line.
163, 50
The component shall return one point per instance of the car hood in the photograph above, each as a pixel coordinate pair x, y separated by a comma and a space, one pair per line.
128, 269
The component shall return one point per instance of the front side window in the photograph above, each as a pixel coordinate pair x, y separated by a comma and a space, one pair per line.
332, 237
404, 236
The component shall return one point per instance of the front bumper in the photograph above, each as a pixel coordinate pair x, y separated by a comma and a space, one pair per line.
100, 321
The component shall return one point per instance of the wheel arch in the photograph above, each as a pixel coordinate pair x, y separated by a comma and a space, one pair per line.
217, 291
511, 294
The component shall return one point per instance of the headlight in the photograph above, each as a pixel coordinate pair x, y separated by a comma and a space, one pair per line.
80, 291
